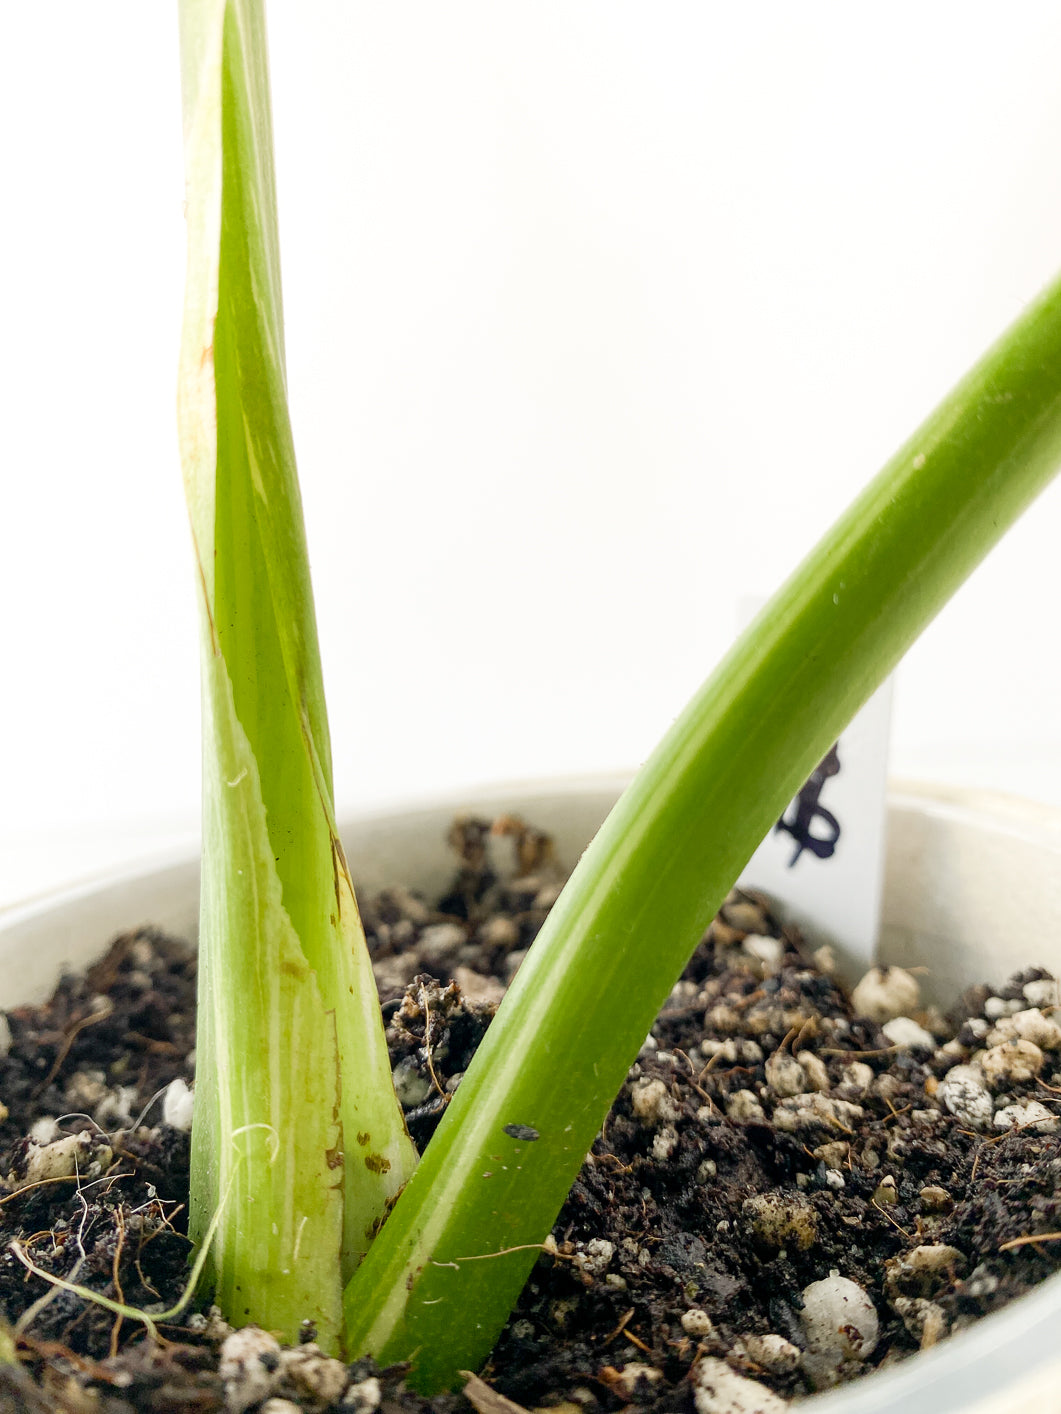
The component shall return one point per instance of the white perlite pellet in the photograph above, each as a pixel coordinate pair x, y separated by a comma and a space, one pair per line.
316, 1376
664, 1144
249, 1367
766, 951
1026, 1115
810, 1111
652, 1103
1027, 1025
1044, 993
785, 1076
905, 1031
925, 1320
410, 1086
595, 1256
744, 1107
719, 1390
781, 1220
856, 1078
839, 1318
81, 1154
698, 1323
994, 1007
886, 992
771, 1352
44, 1130
1011, 1063
365, 1397
177, 1105
5, 1035
815, 1070
963, 1092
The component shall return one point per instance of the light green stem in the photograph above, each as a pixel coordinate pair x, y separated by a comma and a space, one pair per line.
591, 986
295, 1115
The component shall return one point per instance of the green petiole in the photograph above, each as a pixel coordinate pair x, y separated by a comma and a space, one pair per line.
645, 890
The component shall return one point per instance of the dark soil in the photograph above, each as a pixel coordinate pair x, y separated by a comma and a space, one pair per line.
767, 1137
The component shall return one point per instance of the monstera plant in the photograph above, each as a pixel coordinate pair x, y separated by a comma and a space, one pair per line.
305, 1184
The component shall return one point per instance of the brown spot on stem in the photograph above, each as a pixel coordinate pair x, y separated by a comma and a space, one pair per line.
376, 1163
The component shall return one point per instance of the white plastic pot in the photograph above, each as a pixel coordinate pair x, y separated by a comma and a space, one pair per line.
972, 892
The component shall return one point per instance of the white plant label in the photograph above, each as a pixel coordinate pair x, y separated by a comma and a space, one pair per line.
824, 859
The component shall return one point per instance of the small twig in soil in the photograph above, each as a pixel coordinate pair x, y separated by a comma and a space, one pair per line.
743, 1003
68, 1041
1032, 1237
884, 1213
894, 1112
153, 1044
36, 1237
119, 1221
82, 1224
427, 1044
618, 1329
692, 1072
843, 1051
805, 1032
620, 1166
837, 1124
143, 1279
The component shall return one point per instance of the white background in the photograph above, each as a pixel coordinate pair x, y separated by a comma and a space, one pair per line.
597, 315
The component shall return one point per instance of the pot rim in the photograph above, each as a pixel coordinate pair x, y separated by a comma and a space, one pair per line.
1017, 815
